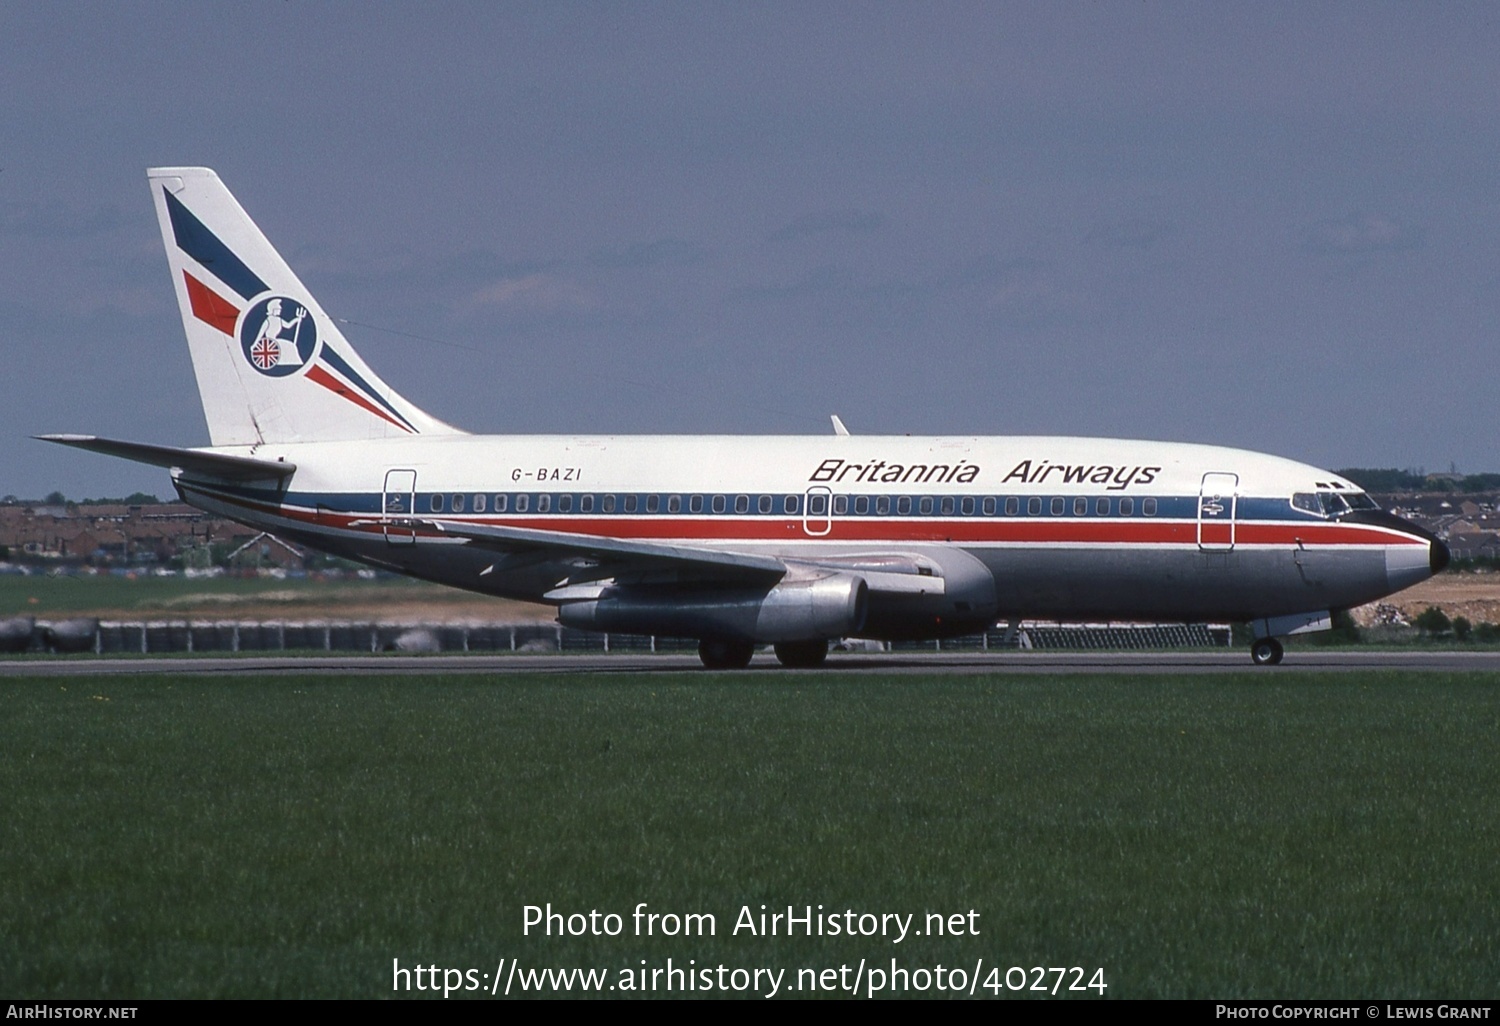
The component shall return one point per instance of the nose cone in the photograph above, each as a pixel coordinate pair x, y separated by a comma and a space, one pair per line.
1406, 565
1438, 556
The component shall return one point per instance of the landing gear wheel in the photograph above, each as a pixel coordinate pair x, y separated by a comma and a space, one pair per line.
1266, 652
802, 655
718, 654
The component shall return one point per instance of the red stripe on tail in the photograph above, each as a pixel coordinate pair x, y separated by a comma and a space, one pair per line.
333, 384
210, 307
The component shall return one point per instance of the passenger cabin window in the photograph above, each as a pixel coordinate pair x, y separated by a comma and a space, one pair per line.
436, 502
862, 504
565, 503
1127, 506
1012, 505
883, 504
1034, 506
1101, 507
458, 504
841, 504
742, 504
695, 504
1080, 506
523, 502
653, 503
989, 505
479, 503
792, 505
544, 503
947, 506
924, 505
903, 505
967, 506
674, 504
817, 505
1059, 504
763, 504
630, 503
718, 503
1148, 507
585, 504
502, 502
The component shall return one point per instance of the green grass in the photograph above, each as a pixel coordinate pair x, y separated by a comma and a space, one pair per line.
1307, 836
145, 595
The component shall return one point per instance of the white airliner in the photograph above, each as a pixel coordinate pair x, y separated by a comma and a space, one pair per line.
737, 541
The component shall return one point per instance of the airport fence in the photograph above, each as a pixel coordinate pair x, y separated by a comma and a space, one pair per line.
155, 637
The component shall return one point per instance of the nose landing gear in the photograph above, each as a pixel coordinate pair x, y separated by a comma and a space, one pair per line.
1266, 651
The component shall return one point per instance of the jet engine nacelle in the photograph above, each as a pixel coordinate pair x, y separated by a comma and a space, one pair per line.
803, 610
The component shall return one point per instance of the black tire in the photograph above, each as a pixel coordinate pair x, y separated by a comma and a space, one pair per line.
1266, 652
802, 655
718, 654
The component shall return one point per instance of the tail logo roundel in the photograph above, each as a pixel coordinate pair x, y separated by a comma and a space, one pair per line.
278, 336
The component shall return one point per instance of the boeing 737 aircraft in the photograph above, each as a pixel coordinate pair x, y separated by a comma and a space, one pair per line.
737, 541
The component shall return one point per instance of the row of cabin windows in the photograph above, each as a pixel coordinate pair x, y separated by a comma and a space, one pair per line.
790, 505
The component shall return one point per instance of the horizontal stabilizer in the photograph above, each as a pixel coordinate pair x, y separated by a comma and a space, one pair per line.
190, 461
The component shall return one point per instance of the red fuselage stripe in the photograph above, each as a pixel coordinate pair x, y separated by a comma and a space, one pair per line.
993, 532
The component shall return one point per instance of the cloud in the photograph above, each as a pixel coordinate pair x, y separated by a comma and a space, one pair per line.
38, 220
1130, 233
823, 222
1361, 233
537, 292
669, 252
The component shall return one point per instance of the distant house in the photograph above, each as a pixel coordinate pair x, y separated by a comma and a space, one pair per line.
1474, 544
107, 534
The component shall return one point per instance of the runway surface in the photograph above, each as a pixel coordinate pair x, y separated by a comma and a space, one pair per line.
970, 663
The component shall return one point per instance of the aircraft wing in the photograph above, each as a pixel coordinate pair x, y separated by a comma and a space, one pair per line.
594, 558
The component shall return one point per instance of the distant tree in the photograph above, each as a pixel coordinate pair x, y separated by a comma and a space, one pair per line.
1481, 483
55, 499
1462, 628
1343, 632
133, 499
1433, 621
1487, 632
4, 551
1344, 627
1387, 480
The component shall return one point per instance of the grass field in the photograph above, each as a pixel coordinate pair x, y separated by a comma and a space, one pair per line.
62, 595
1241, 836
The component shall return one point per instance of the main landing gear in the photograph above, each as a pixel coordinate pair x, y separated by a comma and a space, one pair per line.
719, 654
802, 655
1266, 651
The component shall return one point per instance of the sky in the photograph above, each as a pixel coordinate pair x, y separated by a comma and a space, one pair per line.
1274, 226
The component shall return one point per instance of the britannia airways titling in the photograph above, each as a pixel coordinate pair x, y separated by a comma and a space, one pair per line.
1113, 478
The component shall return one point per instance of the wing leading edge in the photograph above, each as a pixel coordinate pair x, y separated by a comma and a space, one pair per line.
596, 558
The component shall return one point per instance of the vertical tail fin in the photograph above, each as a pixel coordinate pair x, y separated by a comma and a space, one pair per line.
271, 365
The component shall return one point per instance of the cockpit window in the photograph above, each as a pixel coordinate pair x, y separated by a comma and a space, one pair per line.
1330, 503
